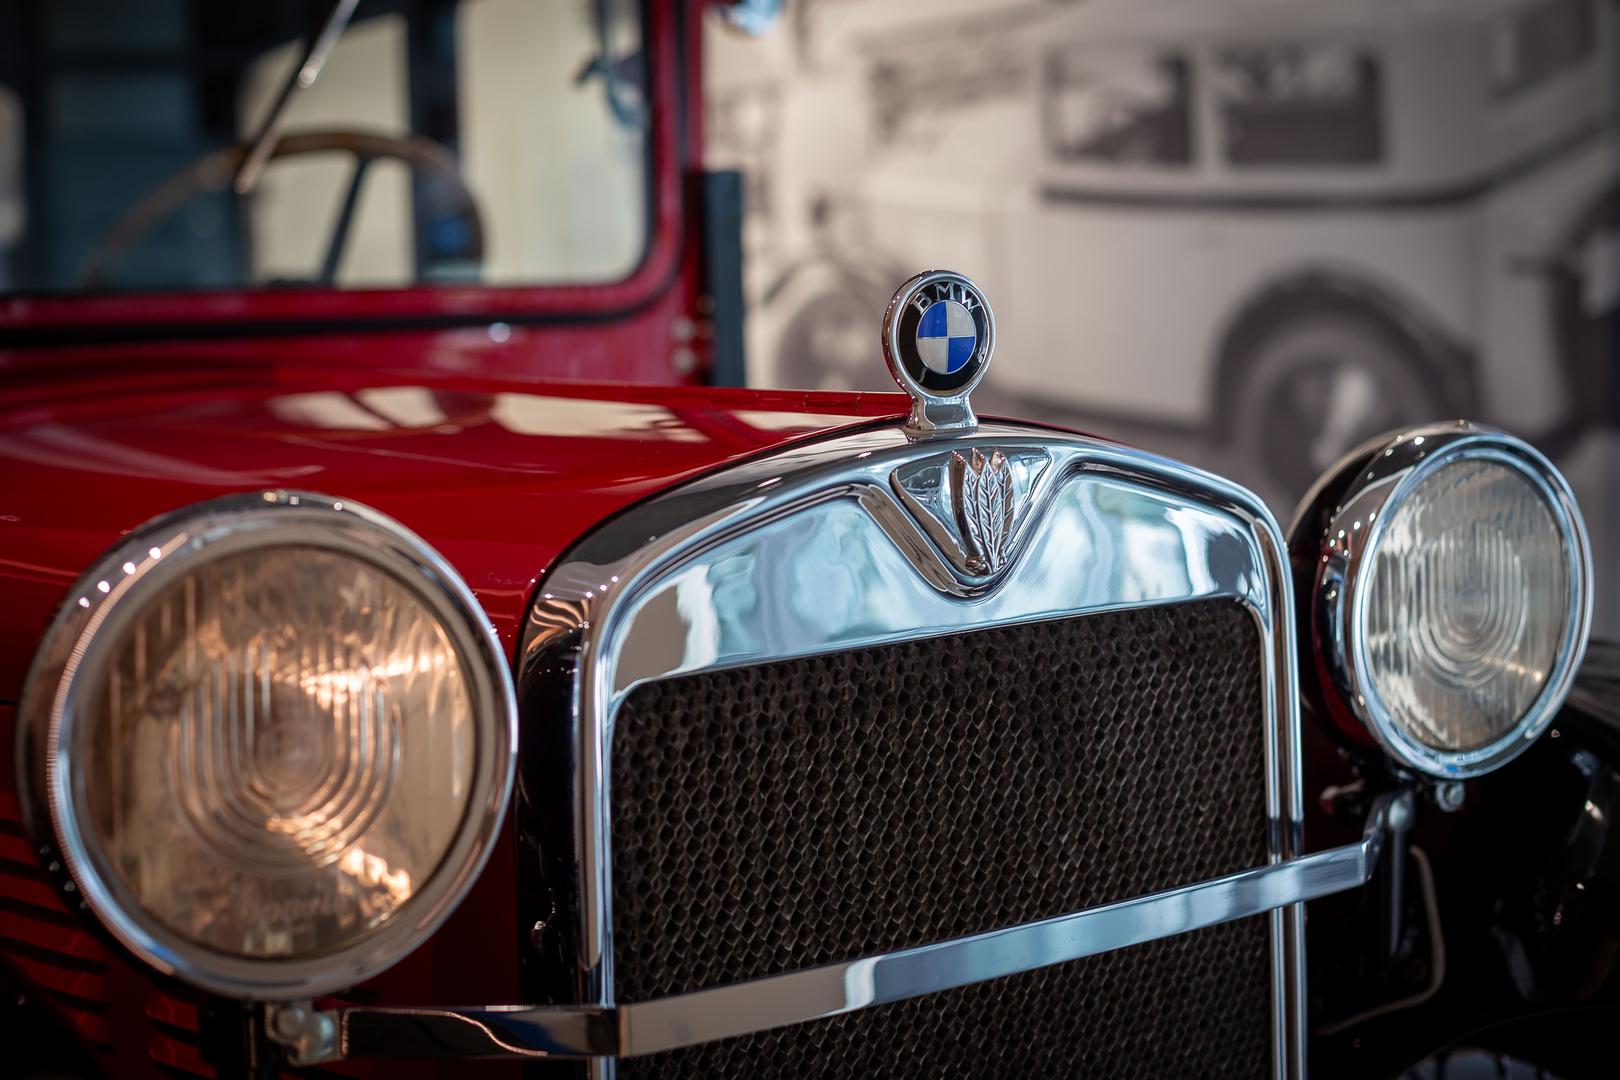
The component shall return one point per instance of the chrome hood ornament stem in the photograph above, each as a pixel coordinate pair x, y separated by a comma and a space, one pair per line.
938, 334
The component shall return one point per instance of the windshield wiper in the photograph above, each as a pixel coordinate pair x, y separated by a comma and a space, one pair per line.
302, 78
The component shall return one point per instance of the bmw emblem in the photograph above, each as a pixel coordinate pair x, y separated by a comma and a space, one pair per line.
937, 337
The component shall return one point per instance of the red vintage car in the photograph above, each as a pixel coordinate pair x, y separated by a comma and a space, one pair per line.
416, 654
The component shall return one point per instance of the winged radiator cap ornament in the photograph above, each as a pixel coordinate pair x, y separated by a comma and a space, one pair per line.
938, 334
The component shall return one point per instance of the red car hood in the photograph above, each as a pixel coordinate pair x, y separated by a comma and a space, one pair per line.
499, 475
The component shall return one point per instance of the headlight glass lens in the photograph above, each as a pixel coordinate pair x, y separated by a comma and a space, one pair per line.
279, 753
1467, 604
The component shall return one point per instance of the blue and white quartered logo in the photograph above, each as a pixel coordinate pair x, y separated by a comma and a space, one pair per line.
946, 337
938, 334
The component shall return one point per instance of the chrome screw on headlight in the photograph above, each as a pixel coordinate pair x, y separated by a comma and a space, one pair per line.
1451, 595
274, 737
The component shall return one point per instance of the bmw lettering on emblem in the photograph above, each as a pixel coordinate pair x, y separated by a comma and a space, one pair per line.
938, 334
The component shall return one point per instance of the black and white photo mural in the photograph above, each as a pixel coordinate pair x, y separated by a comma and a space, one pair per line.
1247, 233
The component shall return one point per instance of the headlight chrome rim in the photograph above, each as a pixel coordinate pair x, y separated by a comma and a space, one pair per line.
164, 550
1384, 475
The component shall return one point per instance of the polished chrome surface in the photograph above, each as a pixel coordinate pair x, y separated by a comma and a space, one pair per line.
1384, 476
939, 398
816, 549
972, 505
307, 1034
815, 993
112, 593
753, 17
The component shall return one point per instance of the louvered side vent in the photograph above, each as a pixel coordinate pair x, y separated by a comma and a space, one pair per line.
801, 812
46, 943
112, 1006
54, 952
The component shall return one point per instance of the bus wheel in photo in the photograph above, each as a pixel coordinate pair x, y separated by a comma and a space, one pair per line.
1313, 386
827, 344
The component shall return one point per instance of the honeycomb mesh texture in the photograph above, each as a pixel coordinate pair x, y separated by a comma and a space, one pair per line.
797, 813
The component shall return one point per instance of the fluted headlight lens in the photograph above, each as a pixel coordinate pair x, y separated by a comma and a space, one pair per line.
1466, 605
247, 748
1452, 595
282, 747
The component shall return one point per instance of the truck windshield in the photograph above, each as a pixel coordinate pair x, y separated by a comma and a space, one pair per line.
483, 141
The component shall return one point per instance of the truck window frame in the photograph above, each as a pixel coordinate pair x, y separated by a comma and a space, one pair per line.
300, 309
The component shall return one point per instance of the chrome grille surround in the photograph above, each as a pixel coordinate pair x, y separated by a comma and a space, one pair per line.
1097, 527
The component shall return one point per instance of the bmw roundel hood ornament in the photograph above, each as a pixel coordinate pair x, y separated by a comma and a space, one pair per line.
938, 334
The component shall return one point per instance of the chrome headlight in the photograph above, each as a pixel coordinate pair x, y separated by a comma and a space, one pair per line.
274, 736
1451, 596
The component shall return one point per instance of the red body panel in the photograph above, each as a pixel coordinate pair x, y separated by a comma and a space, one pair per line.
406, 400
499, 475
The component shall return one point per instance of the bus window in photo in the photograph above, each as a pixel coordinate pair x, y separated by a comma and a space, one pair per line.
1300, 105
1117, 108
1530, 48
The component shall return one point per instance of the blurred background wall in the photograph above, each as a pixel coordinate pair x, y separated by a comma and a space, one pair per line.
1247, 233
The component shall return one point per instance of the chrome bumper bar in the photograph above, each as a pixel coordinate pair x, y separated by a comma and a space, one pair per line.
701, 1016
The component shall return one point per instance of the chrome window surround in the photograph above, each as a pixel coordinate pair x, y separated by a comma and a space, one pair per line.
1383, 475
110, 595
848, 537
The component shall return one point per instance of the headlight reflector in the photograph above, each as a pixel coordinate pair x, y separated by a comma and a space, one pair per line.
1453, 596
1466, 605
277, 742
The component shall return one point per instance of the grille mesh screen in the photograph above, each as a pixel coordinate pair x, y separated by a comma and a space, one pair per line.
801, 812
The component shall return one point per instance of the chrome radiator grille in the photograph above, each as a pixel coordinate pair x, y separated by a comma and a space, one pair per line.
795, 813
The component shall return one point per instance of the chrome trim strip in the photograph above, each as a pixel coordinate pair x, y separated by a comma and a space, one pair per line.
797, 997
810, 550
109, 595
